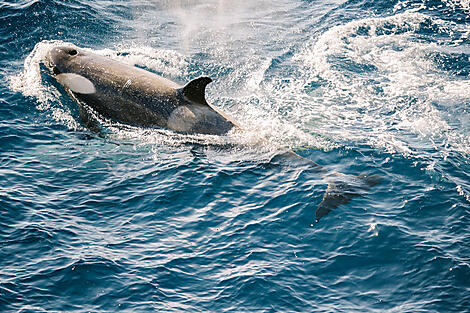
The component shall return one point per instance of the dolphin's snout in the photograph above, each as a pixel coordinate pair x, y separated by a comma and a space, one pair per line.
53, 59
52, 56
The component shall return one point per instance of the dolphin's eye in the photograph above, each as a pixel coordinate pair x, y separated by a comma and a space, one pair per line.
56, 71
73, 52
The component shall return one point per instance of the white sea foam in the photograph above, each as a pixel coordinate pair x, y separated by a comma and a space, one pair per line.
464, 4
381, 83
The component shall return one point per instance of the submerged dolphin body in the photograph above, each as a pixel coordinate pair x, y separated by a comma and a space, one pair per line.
135, 96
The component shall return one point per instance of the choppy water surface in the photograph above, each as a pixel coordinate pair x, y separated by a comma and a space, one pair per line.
143, 219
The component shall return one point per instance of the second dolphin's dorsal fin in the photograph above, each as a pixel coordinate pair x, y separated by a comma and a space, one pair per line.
195, 90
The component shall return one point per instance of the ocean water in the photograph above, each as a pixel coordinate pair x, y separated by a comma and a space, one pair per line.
147, 220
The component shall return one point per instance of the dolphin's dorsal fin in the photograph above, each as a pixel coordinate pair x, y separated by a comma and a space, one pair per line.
195, 90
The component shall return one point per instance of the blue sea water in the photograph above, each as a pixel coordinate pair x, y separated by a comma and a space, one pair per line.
143, 220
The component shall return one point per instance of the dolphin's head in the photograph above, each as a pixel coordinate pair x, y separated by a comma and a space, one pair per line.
67, 65
61, 58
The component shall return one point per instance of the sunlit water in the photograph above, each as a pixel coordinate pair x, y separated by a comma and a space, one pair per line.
139, 219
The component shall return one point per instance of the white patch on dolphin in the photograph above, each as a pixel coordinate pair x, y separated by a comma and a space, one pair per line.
182, 119
76, 83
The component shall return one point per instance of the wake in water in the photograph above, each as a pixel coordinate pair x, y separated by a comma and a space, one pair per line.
385, 81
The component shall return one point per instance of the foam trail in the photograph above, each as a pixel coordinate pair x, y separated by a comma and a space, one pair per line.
379, 85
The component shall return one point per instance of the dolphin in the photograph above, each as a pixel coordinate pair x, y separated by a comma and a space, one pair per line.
135, 96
